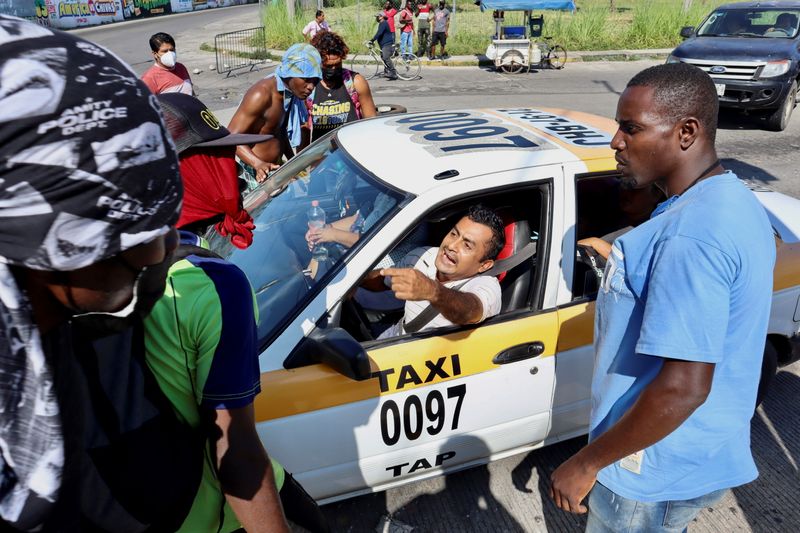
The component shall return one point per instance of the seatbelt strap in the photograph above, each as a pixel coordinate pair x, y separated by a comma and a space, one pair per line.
503, 265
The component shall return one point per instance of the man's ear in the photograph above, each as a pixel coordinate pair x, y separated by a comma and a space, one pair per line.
689, 132
486, 265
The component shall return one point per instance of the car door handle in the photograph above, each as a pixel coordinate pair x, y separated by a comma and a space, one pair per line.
519, 353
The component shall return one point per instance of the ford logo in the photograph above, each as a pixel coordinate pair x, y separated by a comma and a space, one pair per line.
717, 70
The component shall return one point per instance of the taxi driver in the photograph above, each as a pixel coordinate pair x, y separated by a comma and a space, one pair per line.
447, 278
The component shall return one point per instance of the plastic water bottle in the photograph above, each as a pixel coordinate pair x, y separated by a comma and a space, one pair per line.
316, 220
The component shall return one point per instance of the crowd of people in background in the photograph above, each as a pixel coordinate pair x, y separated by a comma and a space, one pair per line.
82, 277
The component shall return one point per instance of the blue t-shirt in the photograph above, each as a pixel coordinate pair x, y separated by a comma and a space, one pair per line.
692, 283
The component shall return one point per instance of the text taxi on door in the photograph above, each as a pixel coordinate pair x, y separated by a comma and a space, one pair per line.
347, 413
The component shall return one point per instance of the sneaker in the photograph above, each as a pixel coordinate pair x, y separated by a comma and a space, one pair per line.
391, 78
445, 56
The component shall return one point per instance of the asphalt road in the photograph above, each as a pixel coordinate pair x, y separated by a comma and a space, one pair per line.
507, 495
129, 40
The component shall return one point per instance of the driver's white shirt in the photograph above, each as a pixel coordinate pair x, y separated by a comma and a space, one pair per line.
486, 288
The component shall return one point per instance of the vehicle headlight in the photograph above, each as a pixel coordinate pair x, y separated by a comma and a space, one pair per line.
672, 59
775, 68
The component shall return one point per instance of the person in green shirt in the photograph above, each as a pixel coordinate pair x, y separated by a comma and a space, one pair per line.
201, 344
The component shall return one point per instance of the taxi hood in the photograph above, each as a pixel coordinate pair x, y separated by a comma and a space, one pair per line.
416, 152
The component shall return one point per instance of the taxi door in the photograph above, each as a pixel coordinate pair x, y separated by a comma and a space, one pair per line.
435, 400
430, 403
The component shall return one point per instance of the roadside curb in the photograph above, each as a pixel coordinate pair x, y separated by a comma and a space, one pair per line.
572, 57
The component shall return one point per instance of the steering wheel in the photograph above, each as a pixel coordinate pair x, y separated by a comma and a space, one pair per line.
360, 322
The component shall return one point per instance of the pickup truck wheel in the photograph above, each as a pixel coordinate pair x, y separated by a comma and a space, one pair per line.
769, 366
779, 119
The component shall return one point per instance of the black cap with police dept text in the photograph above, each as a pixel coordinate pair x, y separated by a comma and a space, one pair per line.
191, 124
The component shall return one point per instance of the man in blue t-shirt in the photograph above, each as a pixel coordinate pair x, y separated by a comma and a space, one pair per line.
681, 322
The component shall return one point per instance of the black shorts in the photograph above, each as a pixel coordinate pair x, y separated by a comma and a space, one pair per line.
439, 37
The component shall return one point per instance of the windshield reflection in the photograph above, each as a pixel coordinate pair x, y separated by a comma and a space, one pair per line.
772, 23
279, 263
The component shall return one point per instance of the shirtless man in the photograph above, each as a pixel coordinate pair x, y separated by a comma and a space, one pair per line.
276, 106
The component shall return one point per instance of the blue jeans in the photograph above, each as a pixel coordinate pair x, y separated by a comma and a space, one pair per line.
611, 513
406, 42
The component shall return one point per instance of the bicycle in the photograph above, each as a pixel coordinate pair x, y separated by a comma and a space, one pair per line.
370, 64
553, 56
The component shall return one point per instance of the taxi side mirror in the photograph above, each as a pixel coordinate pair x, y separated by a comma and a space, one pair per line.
334, 348
687, 31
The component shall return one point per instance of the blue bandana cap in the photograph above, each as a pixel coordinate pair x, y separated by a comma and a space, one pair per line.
300, 61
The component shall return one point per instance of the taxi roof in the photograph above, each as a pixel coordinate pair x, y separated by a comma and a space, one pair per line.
416, 152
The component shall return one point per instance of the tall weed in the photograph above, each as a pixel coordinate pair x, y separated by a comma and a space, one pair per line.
633, 24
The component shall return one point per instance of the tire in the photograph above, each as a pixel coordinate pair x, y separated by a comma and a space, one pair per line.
512, 62
556, 57
390, 109
366, 64
769, 366
408, 67
779, 119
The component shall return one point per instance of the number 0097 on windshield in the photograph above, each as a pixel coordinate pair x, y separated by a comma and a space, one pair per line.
720, 89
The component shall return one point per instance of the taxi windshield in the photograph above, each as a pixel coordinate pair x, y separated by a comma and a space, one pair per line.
283, 264
756, 22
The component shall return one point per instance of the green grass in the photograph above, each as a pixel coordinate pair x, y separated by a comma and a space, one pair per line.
633, 24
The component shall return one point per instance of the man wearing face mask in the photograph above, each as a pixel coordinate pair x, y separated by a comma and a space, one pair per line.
88, 215
276, 106
166, 75
343, 95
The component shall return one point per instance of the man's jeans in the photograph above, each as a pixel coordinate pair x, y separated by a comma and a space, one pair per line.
386, 55
407, 42
611, 513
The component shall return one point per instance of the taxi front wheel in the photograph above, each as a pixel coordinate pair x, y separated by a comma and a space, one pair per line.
769, 365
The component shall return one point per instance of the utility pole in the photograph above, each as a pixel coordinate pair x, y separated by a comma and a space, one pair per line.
290, 9
687, 5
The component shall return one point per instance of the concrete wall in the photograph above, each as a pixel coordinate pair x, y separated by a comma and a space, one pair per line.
65, 14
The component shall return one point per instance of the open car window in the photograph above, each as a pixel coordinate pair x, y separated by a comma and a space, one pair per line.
605, 210
279, 262
374, 316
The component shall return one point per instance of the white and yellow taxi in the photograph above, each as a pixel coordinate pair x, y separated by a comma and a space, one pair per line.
348, 414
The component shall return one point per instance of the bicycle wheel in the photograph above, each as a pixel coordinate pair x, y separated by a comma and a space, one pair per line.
407, 66
556, 57
367, 65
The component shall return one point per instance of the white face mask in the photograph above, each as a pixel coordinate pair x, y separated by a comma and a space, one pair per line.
169, 59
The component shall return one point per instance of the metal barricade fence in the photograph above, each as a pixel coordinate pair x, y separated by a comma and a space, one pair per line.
240, 49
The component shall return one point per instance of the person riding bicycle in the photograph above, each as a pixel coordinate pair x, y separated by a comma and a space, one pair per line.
385, 38
342, 95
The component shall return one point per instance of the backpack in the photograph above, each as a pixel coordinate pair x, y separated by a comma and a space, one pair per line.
142, 466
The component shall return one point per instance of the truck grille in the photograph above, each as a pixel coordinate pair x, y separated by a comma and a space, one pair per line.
734, 70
